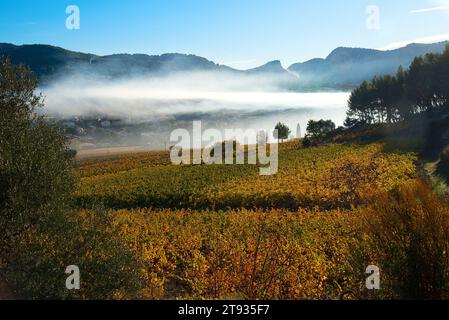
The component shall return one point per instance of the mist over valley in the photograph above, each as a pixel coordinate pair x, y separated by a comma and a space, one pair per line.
137, 99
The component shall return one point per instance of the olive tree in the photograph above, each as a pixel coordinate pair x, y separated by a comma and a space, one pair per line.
40, 233
35, 169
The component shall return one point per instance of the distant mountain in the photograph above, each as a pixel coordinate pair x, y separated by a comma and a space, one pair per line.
348, 67
344, 68
126, 64
47, 61
274, 67
44, 59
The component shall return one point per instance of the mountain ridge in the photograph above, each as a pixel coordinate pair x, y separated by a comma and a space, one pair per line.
347, 67
343, 68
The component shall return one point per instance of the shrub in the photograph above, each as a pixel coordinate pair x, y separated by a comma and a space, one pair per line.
307, 142
231, 146
407, 236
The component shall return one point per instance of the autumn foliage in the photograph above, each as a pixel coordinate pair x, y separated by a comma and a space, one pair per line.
224, 232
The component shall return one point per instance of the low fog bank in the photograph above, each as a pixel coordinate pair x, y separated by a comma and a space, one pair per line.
144, 110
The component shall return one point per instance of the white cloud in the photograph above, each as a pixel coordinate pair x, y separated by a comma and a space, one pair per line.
428, 39
439, 8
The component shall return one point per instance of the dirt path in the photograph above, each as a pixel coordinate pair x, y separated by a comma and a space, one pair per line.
105, 152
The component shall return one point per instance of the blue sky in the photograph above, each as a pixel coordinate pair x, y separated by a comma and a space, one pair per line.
240, 33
